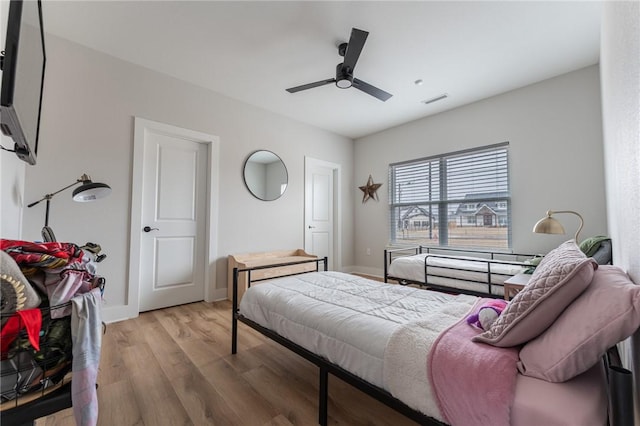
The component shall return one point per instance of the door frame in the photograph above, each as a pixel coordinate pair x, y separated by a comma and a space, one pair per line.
131, 308
337, 207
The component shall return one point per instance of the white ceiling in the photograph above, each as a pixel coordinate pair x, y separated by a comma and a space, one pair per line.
253, 51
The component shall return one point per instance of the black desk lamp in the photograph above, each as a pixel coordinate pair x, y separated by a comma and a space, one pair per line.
88, 191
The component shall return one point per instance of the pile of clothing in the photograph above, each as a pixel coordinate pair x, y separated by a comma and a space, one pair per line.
50, 301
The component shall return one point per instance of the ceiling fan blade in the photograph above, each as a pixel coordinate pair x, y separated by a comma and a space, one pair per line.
311, 85
354, 47
371, 90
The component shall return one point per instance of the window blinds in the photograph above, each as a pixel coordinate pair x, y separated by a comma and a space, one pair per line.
457, 199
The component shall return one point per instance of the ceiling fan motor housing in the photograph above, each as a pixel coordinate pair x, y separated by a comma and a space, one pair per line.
344, 71
344, 79
342, 49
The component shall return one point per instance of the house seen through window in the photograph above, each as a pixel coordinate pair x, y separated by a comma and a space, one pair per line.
459, 199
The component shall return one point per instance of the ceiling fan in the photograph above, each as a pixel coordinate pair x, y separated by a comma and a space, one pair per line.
344, 71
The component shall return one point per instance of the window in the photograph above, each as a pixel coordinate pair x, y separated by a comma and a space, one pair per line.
460, 199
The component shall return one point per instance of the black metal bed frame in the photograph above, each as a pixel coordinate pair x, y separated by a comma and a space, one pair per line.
325, 367
491, 259
619, 379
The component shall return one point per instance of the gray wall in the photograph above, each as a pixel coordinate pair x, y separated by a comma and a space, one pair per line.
90, 103
620, 64
555, 135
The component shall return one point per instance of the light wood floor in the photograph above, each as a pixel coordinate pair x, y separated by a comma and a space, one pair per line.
174, 367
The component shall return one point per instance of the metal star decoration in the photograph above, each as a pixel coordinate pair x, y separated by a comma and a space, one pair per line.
370, 190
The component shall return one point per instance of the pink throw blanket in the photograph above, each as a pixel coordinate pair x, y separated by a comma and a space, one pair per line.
474, 383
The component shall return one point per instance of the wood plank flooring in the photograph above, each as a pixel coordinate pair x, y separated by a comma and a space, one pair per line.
174, 367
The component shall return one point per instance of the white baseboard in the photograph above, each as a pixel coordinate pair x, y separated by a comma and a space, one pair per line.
117, 313
365, 270
218, 294
112, 314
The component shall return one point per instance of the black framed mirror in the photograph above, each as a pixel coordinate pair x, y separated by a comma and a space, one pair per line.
265, 175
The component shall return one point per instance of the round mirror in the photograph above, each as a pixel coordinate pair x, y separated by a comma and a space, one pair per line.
265, 175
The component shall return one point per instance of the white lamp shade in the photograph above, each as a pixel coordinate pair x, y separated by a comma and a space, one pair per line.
90, 191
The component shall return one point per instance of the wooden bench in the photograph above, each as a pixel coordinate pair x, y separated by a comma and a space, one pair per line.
251, 260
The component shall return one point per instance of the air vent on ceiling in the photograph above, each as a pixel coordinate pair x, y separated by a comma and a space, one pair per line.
436, 99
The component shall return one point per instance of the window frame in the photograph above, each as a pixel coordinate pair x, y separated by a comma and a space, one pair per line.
438, 198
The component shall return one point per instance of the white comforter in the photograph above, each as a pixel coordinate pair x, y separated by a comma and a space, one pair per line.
361, 325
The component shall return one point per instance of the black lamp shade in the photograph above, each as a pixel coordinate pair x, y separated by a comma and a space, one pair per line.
90, 191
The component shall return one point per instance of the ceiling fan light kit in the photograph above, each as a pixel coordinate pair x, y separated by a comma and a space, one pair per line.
343, 79
344, 71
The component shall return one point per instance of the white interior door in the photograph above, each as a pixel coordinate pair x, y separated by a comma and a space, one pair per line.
320, 209
172, 241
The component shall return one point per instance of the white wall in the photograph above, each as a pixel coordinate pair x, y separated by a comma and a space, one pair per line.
12, 172
555, 135
620, 65
621, 122
87, 126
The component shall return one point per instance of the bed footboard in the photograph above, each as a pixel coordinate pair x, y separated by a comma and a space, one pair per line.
467, 271
236, 275
325, 367
389, 255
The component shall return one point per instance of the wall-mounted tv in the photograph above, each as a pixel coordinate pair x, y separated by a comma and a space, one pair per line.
23, 68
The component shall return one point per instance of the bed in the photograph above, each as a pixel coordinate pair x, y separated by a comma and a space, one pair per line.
413, 350
467, 271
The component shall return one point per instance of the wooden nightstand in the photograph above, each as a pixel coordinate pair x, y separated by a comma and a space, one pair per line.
514, 284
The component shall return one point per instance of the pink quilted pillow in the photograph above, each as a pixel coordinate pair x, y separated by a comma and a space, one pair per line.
606, 313
562, 275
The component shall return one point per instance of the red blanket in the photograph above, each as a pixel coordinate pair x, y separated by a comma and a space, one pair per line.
474, 383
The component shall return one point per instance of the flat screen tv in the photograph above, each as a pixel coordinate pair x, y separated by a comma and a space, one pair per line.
23, 68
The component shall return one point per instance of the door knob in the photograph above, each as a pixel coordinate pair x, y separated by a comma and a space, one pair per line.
311, 227
149, 229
